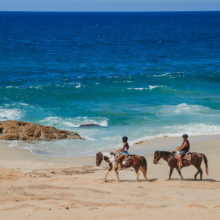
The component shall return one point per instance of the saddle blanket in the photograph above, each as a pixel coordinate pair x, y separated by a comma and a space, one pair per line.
188, 156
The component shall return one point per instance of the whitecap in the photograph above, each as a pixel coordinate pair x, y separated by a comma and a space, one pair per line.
11, 114
150, 87
74, 122
161, 75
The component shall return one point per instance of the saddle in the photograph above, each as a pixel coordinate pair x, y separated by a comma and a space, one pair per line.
126, 159
187, 157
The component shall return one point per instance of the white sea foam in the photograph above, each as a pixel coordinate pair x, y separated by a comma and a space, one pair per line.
184, 109
8, 87
192, 129
162, 75
150, 88
78, 86
12, 114
112, 76
154, 87
74, 122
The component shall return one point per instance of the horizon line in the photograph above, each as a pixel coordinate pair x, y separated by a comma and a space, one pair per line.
114, 11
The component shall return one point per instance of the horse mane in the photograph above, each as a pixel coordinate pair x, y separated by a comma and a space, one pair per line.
165, 153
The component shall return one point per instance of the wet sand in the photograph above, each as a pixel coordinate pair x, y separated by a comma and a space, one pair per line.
38, 187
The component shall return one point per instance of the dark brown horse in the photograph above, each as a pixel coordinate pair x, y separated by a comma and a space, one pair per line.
137, 162
196, 160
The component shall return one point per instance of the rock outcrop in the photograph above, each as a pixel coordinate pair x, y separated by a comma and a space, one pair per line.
89, 125
20, 130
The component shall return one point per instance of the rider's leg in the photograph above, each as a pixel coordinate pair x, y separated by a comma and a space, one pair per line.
120, 159
180, 161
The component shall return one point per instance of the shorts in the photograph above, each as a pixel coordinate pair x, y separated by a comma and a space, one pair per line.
182, 153
124, 153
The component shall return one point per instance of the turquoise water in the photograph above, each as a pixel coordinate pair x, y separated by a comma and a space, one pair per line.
143, 75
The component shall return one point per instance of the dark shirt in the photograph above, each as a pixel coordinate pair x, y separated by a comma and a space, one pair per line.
186, 149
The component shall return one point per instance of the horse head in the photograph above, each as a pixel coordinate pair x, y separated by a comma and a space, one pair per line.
99, 158
156, 157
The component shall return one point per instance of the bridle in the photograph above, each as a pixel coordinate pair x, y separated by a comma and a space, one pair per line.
157, 160
100, 156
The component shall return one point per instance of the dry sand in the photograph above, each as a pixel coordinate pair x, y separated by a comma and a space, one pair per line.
35, 187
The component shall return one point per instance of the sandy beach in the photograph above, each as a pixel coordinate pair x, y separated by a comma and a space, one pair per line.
37, 187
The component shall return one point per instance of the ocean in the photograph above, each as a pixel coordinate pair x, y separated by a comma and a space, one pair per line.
143, 75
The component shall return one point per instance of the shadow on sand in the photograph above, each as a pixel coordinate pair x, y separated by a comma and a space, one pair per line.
140, 180
197, 180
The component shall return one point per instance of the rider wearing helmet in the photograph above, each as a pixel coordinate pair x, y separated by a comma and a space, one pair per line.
184, 148
124, 151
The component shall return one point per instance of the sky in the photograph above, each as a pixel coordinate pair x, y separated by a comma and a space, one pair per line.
109, 5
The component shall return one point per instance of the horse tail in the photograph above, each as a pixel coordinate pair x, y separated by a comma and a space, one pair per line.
144, 163
206, 163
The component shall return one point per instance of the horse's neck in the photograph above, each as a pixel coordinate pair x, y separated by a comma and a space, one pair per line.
164, 154
105, 154
109, 156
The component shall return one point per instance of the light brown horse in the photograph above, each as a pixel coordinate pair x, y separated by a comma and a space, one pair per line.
196, 160
137, 162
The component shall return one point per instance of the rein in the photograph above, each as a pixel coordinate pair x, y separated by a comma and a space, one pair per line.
166, 159
101, 157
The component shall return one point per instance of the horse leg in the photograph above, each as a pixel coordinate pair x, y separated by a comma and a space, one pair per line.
197, 165
196, 175
199, 171
110, 170
116, 171
179, 173
144, 173
171, 171
138, 174
107, 174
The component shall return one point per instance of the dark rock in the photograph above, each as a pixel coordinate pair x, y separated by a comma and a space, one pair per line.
20, 130
89, 125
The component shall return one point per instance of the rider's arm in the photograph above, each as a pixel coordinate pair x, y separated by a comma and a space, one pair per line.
178, 148
120, 150
184, 145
